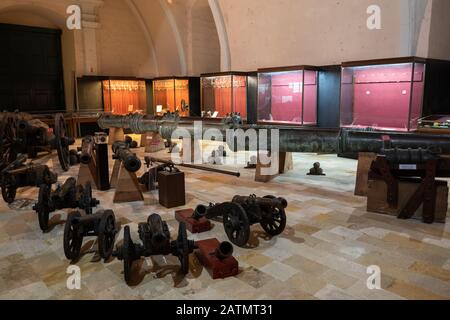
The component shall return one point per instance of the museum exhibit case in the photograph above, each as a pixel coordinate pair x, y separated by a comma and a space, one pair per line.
288, 95
384, 95
121, 96
224, 93
180, 94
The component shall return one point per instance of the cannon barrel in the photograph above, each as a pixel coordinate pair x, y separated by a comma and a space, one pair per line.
87, 146
156, 227
21, 158
122, 152
415, 156
224, 250
193, 166
347, 142
199, 212
263, 202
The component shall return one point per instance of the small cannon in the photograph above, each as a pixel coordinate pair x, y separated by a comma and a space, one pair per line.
24, 135
102, 225
69, 195
18, 175
122, 152
87, 147
155, 237
224, 250
130, 142
242, 212
150, 178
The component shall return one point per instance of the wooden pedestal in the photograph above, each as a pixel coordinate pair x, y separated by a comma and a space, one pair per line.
88, 173
377, 199
285, 164
193, 225
171, 189
218, 269
365, 160
126, 184
115, 134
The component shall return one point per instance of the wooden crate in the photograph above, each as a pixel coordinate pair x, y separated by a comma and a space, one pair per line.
171, 189
377, 199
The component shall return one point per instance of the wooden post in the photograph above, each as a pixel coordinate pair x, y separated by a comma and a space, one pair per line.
115, 134
365, 160
285, 164
115, 174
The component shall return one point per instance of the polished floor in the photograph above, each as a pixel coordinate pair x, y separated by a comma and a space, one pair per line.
324, 253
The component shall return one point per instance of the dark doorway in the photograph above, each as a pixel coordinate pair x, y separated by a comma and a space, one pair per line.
31, 73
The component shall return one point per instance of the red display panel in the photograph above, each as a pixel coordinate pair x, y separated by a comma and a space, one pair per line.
288, 97
386, 97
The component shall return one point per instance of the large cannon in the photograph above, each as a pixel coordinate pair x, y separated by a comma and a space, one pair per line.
21, 134
18, 175
102, 225
346, 142
242, 212
155, 237
69, 195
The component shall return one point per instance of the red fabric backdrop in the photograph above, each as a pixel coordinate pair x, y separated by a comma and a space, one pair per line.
123, 97
382, 96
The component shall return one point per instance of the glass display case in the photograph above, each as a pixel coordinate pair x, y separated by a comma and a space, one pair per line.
173, 94
224, 93
288, 95
383, 94
124, 96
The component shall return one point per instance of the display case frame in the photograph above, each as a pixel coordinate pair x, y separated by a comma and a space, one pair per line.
311, 105
427, 95
193, 87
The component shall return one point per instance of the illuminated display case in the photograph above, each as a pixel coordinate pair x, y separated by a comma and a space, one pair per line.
383, 94
112, 94
288, 95
176, 94
223, 93
124, 96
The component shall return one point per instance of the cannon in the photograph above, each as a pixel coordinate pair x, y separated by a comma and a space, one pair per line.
102, 225
415, 156
18, 175
122, 152
242, 212
87, 147
21, 134
223, 250
150, 178
155, 237
130, 142
69, 195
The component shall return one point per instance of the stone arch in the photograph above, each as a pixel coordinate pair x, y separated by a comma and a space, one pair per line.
202, 39
225, 53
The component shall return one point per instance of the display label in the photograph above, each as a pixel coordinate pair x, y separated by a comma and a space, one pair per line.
408, 167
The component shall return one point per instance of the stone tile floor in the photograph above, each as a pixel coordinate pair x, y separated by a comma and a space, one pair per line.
329, 242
